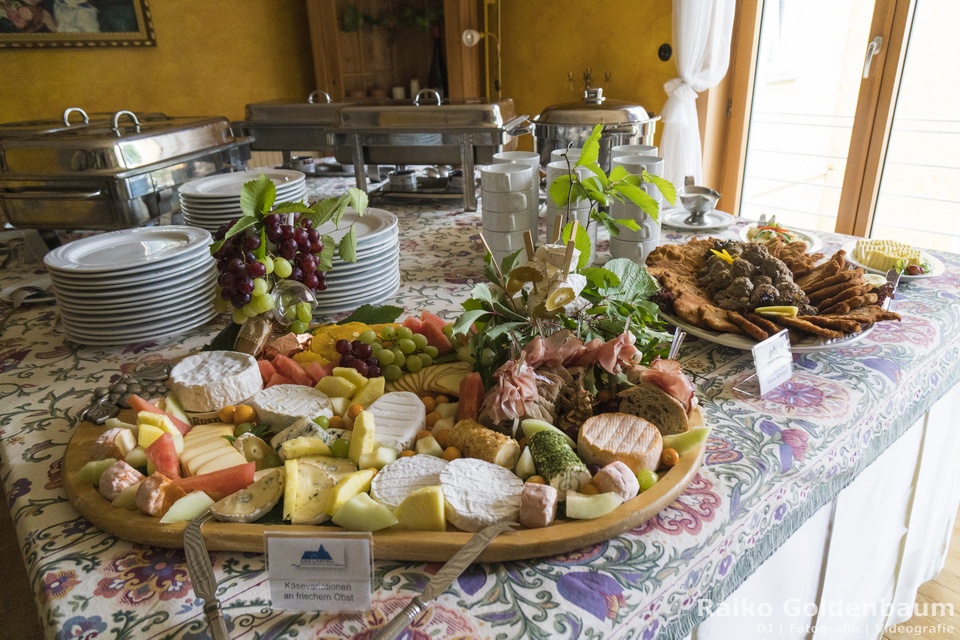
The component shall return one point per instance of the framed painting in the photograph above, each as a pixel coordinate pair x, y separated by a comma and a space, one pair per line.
30, 24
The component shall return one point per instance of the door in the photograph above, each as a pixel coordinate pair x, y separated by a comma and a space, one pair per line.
848, 118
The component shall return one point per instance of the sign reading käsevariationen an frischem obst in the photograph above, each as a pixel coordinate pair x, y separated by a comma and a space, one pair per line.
329, 572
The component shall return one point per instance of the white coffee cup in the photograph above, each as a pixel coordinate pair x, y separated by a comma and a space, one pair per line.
633, 150
636, 251
509, 201
505, 177
500, 221
649, 228
528, 158
503, 243
572, 154
636, 164
583, 219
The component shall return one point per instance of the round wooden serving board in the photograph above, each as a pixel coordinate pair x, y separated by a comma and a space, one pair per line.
426, 546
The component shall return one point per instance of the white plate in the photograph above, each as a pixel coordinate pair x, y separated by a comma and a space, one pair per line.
334, 289
373, 224
296, 193
155, 297
197, 257
675, 219
372, 296
229, 184
134, 337
351, 270
143, 328
139, 293
178, 308
938, 267
813, 242
129, 249
746, 343
176, 272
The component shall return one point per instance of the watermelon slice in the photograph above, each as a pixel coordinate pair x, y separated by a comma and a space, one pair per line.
138, 404
291, 369
278, 378
266, 369
471, 397
220, 484
414, 324
436, 338
162, 453
431, 318
315, 370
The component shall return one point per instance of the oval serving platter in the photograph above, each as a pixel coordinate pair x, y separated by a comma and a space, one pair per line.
424, 546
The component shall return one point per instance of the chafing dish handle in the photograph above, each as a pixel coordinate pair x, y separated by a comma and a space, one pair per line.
51, 195
72, 110
312, 98
116, 121
427, 93
519, 126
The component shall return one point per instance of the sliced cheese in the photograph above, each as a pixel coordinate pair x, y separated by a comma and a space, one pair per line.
254, 502
210, 380
284, 404
312, 496
884, 255
205, 449
399, 416
399, 479
607, 437
477, 493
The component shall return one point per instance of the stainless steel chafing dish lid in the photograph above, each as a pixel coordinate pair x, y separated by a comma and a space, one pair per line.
316, 111
471, 114
592, 109
121, 146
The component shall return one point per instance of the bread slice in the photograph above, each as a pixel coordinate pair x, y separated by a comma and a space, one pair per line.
656, 406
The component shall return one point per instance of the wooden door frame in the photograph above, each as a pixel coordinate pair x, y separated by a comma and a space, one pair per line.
874, 118
725, 138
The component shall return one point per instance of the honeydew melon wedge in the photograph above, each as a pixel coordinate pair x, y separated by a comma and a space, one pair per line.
127, 499
684, 442
584, 507
531, 426
363, 513
90, 473
187, 508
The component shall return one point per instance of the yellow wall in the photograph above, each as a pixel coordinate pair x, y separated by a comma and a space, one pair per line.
212, 58
542, 40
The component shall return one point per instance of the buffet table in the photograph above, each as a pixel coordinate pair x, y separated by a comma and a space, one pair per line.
775, 476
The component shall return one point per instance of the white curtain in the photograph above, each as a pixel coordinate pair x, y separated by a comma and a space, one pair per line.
701, 48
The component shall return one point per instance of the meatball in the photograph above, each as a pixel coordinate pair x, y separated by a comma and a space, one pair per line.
764, 295
741, 269
737, 296
775, 269
755, 254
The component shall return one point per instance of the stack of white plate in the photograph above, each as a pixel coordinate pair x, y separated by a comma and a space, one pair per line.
134, 285
209, 202
375, 276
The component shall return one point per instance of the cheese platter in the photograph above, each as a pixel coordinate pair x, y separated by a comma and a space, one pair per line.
425, 546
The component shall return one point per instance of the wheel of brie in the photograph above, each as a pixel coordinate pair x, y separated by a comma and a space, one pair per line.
211, 380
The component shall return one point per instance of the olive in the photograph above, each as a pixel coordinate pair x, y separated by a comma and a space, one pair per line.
914, 270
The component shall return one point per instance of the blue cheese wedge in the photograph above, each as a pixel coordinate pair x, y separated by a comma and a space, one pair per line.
283, 404
308, 505
254, 502
399, 416
402, 477
303, 428
477, 493
210, 380
336, 467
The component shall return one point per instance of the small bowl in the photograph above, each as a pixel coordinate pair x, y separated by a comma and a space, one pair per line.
698, 200
403, 180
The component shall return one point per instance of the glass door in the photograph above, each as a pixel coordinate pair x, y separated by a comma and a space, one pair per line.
808, 70
919, 198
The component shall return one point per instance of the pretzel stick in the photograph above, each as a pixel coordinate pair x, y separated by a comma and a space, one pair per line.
528, 243
493, 258
557, 229
571, 247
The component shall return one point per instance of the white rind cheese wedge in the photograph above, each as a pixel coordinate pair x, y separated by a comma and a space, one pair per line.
477, 493
254, 502
402, 477
399, 416
210, 380
283, 404
205, 449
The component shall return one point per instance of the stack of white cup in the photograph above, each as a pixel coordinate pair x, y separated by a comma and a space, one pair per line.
578, 210
532, 160
637, 245
505, 193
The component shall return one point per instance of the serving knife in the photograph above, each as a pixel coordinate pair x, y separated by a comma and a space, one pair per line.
201, 575
893, 278
443, 579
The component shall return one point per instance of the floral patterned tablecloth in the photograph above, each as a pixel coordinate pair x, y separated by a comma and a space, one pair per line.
770, 464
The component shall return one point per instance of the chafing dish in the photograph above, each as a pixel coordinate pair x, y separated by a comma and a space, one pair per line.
427, 131
108, 172
572, 122
291, 126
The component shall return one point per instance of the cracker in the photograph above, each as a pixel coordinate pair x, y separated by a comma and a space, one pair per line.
847, 294
841, 278
837, 323
831, 267
748, 327
762, 322
851, 303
